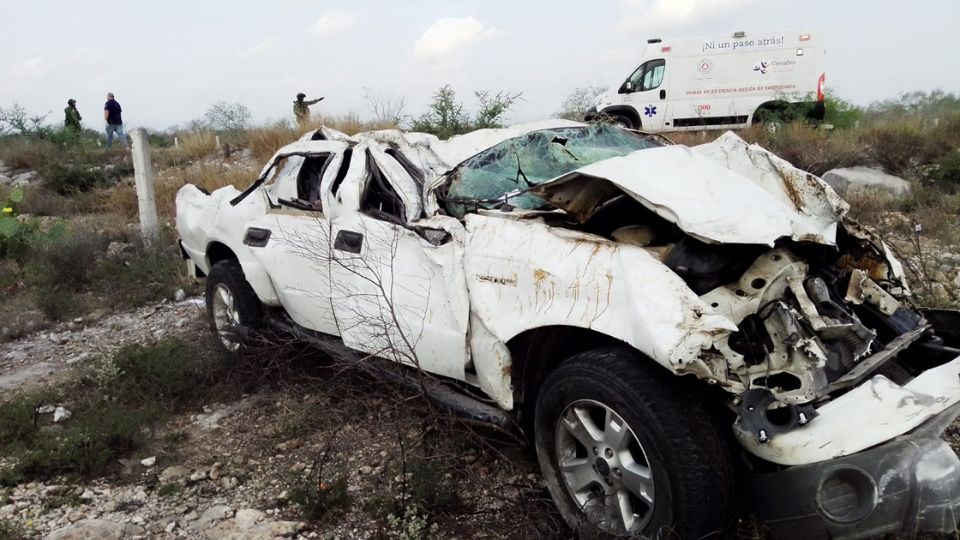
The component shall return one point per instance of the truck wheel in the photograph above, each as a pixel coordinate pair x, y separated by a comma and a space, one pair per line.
232, 306
626, 451
622, 121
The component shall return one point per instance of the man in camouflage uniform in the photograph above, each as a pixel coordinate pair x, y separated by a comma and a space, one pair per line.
72, 116
301, 109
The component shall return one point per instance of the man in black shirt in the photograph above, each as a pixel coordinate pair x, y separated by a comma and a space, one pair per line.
111, 113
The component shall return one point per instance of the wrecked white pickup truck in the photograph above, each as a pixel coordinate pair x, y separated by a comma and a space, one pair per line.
657, 316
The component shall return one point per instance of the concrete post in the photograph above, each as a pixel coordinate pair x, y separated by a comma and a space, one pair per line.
176, 142
217, 138
143, 175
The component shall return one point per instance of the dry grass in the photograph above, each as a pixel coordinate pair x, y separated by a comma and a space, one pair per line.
210, 176
26, 153
41, 201
198, 144
265, 141
805, 146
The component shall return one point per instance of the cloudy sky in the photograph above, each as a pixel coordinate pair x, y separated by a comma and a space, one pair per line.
167, 61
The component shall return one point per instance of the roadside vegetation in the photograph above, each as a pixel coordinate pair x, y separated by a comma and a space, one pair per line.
82, 207
139, 386
70, 248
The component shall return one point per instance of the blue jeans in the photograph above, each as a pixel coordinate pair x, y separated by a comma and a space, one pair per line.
118, 129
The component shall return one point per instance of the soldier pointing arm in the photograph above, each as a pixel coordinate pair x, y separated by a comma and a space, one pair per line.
301, 109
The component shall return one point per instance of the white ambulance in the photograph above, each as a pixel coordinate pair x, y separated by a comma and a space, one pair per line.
720, 82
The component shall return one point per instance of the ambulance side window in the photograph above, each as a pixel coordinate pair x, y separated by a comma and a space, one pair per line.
636, 77
652, 75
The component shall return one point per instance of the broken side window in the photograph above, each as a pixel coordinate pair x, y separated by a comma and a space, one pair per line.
500, 175
282, 182
342, 173
407, 165
308, 181
380, 199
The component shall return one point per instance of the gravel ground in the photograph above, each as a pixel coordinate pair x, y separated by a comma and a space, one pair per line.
375, 464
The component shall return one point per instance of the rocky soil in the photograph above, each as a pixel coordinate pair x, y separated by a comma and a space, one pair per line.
238, 469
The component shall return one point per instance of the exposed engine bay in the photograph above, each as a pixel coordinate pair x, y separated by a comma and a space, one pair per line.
815, 315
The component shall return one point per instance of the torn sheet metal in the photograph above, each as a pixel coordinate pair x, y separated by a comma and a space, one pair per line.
706, 200
304, 148
525, 275
402, 183
203, 219
876, 411
862, 289
808, 195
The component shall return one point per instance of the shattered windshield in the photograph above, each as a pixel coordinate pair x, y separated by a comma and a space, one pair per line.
493, 176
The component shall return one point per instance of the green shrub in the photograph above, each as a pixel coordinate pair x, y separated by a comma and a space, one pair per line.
947, 130
809, 148
170, 490
428, 486
840, 113
901, 148
86, 445
67, 263
10, 227
71, 272
61, 305
18, 417
26, 152
10, 531
113, 400
19, 235
316, 499
946, 171
915, 105
168, 372
68, 179
144, 274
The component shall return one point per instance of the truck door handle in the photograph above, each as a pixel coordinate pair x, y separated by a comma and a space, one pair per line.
256, 237
348, 241
663, 94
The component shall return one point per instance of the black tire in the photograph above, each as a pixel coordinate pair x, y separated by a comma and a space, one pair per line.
623, 121
688, 455
229, 274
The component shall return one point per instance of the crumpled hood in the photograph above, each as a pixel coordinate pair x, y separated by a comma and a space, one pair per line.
723, 192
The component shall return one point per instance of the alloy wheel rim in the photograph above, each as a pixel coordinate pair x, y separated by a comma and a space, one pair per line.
603, 467
226, 317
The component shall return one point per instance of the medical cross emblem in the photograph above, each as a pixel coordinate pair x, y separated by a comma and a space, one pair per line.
650, 110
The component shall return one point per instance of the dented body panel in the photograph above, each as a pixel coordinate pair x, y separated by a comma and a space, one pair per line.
524, 275
721, 262
706, 200
868, 415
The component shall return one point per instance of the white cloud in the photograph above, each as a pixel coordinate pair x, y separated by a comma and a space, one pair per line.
449, 34
31, 67
333, 23
666, 13
264, 45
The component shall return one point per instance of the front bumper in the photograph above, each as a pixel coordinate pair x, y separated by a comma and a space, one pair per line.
908, 485
869, 415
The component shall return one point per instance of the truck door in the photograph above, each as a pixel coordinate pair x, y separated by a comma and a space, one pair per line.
647, 94
289, 240
398, 287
